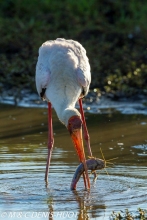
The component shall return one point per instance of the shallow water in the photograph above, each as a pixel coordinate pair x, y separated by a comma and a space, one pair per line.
23, 151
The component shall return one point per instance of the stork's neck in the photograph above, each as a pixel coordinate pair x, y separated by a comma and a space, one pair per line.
63, 100
65, 114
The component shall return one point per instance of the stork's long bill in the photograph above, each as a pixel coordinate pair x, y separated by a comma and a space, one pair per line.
75, 129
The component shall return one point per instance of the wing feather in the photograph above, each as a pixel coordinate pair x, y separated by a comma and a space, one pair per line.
79, 57
42, 77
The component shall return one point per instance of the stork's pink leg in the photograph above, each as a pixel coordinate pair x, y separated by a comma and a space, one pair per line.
85, 130
50, 140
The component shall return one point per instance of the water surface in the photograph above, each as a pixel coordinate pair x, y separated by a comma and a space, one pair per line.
23, 151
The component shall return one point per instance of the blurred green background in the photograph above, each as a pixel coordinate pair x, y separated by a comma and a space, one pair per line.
113, 32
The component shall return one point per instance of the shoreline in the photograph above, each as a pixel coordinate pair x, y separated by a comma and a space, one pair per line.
94, 102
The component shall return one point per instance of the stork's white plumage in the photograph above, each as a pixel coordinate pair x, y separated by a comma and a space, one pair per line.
62, 78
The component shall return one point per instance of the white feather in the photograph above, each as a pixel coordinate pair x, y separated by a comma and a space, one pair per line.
63, 69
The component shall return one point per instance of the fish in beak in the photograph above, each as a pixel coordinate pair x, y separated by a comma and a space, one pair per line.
75, 130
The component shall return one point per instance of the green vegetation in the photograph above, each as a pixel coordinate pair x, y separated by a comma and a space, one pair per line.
126, 215
114, 34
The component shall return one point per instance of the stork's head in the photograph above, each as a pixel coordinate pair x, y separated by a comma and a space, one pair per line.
74, 124
75, 129
72, 120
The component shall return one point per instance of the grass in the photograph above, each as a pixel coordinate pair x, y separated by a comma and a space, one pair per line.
141, 214
113, 32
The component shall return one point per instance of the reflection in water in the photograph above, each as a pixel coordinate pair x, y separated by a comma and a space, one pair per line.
23, 151
85, 208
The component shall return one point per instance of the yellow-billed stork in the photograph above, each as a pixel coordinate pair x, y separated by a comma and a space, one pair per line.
63, 78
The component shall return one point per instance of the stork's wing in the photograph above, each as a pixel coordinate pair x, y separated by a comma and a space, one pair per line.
80, 63
83, 67
83, 77
42, 78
